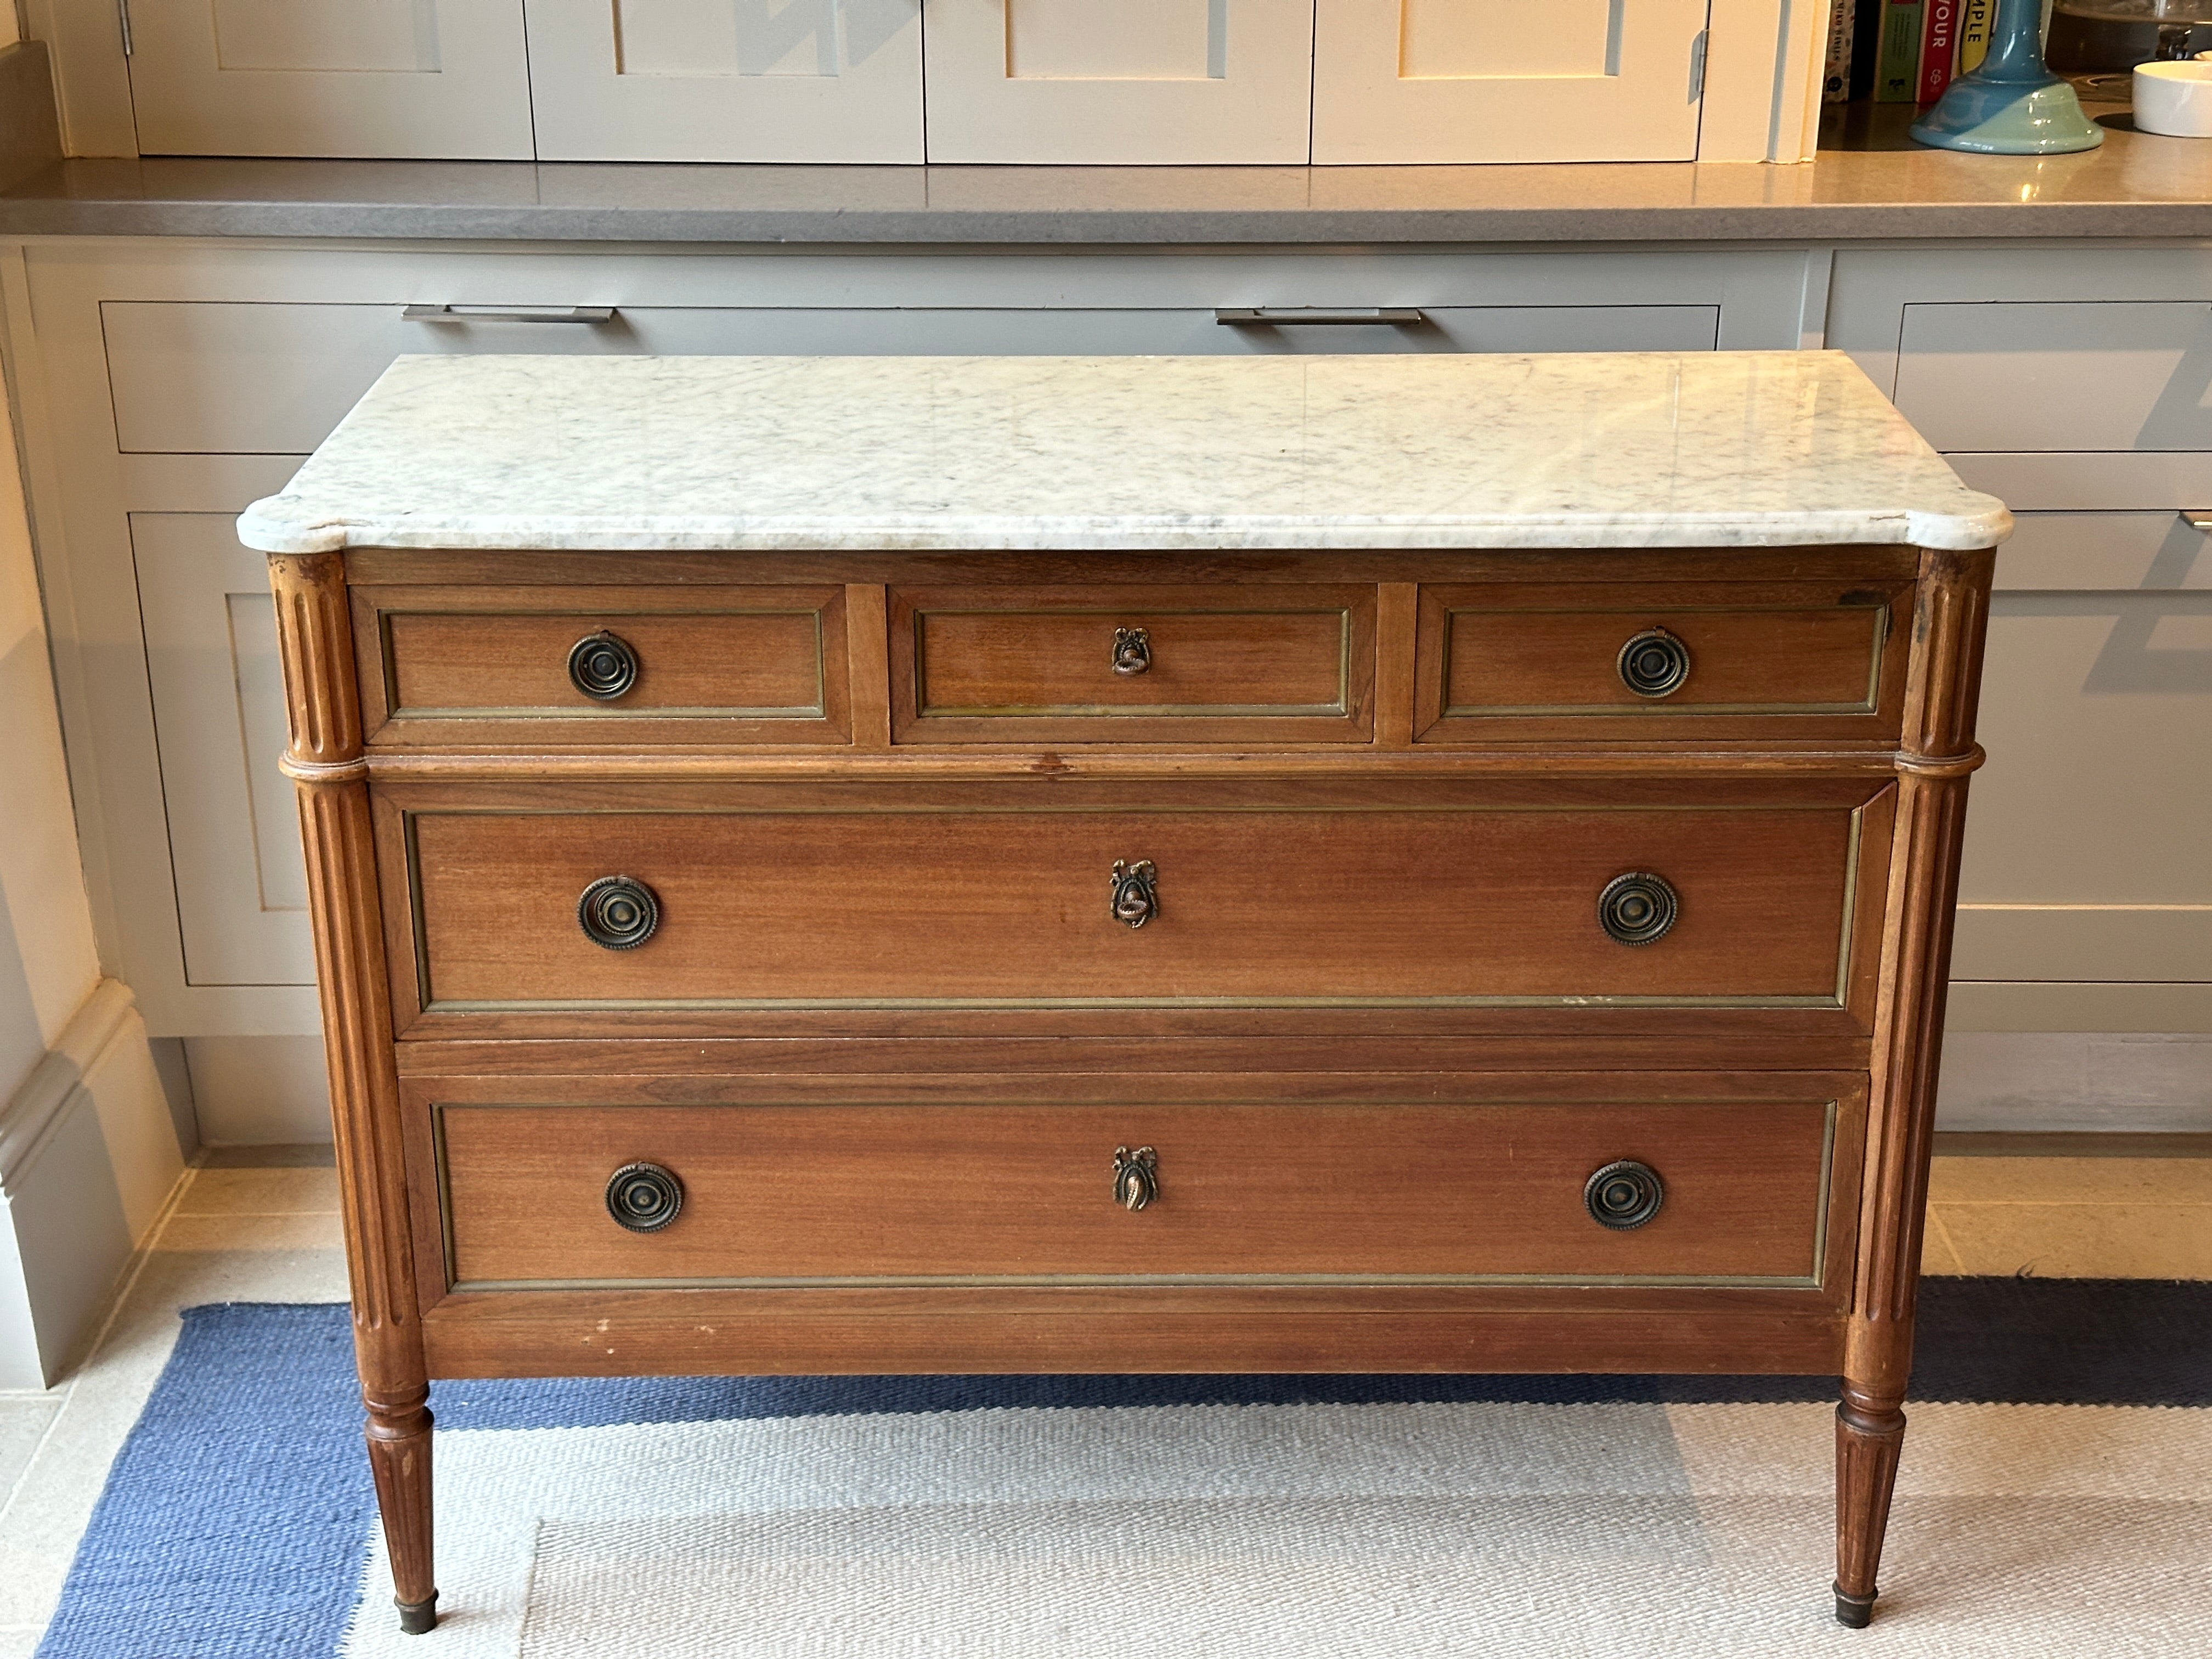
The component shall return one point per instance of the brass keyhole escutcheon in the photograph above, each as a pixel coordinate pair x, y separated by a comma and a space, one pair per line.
1136, 1176
1136, 892
1132, 650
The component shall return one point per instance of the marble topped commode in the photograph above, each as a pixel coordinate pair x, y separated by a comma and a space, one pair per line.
1604, 450
1044, 865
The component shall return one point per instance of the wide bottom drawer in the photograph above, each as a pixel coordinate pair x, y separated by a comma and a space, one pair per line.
1690, 1192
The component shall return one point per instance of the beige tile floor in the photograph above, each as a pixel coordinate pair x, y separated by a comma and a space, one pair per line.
238, 1232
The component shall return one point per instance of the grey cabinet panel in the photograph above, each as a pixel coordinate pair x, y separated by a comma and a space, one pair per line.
219, 727
2029, 482
202, 377
2092, 374
2090, 551
2094, 869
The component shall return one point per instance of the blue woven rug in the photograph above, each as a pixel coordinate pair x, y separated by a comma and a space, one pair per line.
238, 1521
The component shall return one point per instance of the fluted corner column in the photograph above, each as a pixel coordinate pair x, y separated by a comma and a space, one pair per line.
325, 759
1937, 756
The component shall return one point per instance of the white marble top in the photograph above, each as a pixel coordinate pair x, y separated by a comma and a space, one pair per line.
1748, 449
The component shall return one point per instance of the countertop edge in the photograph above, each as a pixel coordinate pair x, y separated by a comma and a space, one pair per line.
270, 533
1753, 222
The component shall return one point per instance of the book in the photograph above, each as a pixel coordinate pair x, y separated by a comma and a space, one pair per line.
1835, 79
1897, 75
1974, 19
1866, 48
1939, 47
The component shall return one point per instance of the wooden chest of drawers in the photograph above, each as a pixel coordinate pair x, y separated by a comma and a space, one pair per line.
1263, 958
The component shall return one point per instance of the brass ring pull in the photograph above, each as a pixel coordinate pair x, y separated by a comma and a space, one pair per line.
1625, 1196
618, 913
1654, 664
1638, 907
1132, 650
1136, 1176
1136, 892
644, 1197
603, 665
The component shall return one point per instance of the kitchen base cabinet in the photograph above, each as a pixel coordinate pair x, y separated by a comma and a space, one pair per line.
161, 382
2071, 383
1148, 1036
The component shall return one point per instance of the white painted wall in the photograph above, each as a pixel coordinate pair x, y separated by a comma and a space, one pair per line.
89, 1152
48, 963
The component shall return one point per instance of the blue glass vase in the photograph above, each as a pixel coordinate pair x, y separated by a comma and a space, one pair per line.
2011, 103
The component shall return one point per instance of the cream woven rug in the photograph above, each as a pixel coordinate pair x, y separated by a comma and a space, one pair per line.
1280, 1532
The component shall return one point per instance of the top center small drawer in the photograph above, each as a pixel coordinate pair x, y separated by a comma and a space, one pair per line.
1141, 664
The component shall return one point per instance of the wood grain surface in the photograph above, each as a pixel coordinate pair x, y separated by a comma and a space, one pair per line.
1788, 661
460, 666
1012, 905
1035, 664
1013, 1191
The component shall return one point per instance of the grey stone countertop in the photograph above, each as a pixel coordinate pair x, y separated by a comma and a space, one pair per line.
2137, 184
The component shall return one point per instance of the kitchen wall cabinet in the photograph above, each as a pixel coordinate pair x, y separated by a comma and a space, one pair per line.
1193, 81
726, 81
416, 78
1181, 82
1413, 81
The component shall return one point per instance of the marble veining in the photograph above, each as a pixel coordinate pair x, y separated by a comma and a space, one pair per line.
1644, 449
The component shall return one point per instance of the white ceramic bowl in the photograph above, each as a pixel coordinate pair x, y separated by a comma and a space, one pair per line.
2175, 98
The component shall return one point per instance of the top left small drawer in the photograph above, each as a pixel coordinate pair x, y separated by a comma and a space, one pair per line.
551, 668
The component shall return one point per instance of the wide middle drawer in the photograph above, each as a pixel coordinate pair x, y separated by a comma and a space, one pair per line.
1620, 1189
1732, 895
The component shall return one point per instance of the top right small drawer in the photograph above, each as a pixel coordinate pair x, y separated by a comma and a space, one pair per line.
2089, 375
1649, 662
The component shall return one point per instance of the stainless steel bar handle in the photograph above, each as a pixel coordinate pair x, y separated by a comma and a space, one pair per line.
590, 315
1306, 316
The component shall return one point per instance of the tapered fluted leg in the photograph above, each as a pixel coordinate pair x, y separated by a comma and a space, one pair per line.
1869, 1435
399, 1461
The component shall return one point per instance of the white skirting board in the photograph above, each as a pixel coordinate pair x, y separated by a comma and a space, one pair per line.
88, 1155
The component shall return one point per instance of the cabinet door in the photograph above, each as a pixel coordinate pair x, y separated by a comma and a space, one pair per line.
1416, 80
219, 727
1194, 82
726, 80
331, 78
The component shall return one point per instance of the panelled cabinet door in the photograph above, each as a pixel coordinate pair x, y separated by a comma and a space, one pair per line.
396, 78
1077, 83
726, 80
1443, 81
219, 725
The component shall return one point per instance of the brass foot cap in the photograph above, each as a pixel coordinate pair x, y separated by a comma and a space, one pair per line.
1853, 1612
417, 1617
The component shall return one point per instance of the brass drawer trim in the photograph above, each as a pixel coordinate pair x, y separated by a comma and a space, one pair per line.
1810, 1280
388, 671
1836, 999
1342, 708
1657, 708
